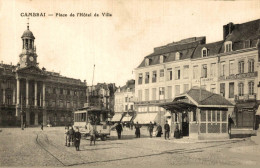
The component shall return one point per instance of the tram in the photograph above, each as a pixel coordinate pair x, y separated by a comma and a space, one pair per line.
87, 116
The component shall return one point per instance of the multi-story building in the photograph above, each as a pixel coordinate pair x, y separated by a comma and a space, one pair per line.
32, 95
227, 67
124, 102
101, 96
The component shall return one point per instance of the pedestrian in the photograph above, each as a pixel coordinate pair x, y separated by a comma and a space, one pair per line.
77, 139
159, 131
137, 130
66, 135
92, 132
177, 132
71, 136
42, 126
119, 129
166, 130
150, 128
230, 122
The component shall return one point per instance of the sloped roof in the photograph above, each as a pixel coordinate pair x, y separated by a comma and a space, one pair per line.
207, 98
213, 49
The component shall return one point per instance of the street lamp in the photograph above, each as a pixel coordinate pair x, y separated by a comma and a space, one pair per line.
22, 114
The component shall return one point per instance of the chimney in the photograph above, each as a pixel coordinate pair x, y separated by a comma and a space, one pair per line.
227, 29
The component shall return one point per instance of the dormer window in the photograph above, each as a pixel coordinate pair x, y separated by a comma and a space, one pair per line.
177, 56
147, 61
161, 59
204, 52
228, 46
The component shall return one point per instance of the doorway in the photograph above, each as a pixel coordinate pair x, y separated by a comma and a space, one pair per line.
32, 118
185, 124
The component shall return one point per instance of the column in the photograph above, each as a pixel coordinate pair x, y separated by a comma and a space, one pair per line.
36, 117
27, 92
43, 94
35, 93
13, 96
17, 96
4, 96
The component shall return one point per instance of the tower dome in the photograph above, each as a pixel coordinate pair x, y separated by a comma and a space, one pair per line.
27, 33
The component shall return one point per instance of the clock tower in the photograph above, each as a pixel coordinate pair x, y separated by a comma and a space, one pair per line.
28, 57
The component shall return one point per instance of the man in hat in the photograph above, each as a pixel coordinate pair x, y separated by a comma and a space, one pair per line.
119, 129
167, 129
137, 130
150, 129
77, 137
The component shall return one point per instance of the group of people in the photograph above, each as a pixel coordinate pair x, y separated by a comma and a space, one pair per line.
159, 130
72, 137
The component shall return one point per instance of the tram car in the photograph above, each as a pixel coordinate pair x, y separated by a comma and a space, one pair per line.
87, 116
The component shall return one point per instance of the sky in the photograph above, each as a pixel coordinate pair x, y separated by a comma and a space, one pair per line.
116, 44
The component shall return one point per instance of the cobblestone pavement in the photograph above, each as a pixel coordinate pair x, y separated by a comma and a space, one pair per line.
33, 147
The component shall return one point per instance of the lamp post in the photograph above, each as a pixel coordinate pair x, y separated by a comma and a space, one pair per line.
22, 114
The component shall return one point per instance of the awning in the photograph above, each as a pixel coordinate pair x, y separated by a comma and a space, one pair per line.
258, 111
177, 106
116, 117
145, 118
127, 118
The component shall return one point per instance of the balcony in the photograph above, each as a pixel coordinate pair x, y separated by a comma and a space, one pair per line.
245, 97
238, 76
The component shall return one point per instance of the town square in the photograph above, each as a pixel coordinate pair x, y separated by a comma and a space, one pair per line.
129, 83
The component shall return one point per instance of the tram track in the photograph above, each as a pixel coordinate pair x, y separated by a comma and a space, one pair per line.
53, 150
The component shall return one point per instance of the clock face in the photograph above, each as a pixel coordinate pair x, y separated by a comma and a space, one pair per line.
31, 58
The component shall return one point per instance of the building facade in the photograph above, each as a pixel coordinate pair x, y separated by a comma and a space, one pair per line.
30, 95
124, 102
229, 67
102, 96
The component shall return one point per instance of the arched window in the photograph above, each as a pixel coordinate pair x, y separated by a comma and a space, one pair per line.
241, 89
228, 46
241, 67
204, 52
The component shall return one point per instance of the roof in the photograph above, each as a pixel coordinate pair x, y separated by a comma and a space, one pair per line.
213, 49
207, 98
28, 33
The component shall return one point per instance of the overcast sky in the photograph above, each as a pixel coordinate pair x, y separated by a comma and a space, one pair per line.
117, 44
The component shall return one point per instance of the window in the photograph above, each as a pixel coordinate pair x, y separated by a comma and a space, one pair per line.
61, 91
195, 72
147, 61
68, 92
139, 95
240, 89
126, 107
153, 93
146, 94
161, 93
222, 69
222, 89
161, 75
213, 88
147, 77
177, 56
169, 74
247, 44
169, 91
204, 71
251, 63
132, 107
54, 91
213, 70
140, 79
228, 46
186, 72
177, 90
185, 87
251, 88
231, 89
204, 52
154, 76
231, 67
177, 73
241, 67
126, 99
161, 59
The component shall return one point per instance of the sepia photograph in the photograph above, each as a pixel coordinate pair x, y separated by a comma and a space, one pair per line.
137, 83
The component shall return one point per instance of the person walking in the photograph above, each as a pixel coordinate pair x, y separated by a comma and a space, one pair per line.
77, 139
166, 130
42, 126
159, 131
66, 135
150, 128
92, 132
119, 129
71, 136
137, 130
230, 122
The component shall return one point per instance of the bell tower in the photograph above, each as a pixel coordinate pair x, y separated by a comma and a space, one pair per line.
28, 57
